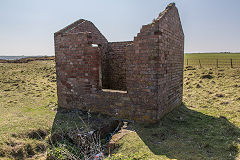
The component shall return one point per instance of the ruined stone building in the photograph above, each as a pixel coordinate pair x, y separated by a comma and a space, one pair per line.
140, 80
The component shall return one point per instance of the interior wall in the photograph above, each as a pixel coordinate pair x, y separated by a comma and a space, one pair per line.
114, 65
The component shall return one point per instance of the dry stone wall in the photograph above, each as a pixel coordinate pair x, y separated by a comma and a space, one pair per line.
147, 70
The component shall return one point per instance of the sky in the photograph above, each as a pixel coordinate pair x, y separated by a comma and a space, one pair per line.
27, 26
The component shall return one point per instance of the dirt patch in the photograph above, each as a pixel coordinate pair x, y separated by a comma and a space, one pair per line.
20, 149
236, 86
18, 153
29, 150
207, 76
39, 134
224, 103
190, 68
41, 147
210, 72
198, 86
213, 82
220, 95
2, 153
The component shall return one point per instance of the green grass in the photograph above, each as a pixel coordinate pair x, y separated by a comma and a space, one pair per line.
28, 103
212, 59
212, 55
205, 127
28, 100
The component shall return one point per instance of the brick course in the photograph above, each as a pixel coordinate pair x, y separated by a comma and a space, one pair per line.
116, 67
148, 69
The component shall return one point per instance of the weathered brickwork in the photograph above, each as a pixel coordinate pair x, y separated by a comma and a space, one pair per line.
84, 26
148, 70
117, 65
155, 64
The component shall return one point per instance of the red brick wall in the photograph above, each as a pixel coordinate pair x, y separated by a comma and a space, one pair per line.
77, 66
84, 26
172, 48
155, 64
150, 68
116, 65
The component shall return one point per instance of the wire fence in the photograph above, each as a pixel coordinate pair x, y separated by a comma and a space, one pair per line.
218, 63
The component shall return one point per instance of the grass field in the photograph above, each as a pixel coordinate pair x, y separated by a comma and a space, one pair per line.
212, 55
28, 100
212, 60
206, 126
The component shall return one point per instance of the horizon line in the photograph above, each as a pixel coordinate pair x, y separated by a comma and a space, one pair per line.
184, 53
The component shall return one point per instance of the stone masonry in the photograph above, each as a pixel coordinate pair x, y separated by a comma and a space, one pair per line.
140, 80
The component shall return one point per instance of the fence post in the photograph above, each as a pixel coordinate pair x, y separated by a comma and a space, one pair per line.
217, 63
187, 62
200, 63
231, 63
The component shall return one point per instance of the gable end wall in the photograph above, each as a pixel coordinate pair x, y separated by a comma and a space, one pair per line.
149, 69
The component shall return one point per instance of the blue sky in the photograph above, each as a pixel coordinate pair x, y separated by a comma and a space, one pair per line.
27, 26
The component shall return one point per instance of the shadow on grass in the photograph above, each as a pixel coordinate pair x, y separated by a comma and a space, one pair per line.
187, 134
79, 134
75, 120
